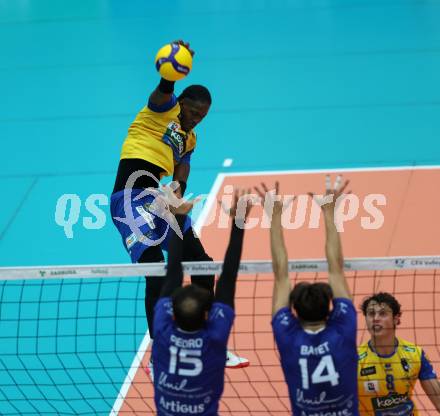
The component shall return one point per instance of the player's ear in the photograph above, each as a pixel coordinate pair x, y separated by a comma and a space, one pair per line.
396, 320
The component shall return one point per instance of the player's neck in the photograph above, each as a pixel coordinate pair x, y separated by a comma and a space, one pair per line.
384, 345
313, 326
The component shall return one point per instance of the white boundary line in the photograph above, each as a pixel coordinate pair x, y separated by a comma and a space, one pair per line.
305, 171
198, 229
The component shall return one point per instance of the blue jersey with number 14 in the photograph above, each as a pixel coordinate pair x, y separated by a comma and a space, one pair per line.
320, 367
189, 367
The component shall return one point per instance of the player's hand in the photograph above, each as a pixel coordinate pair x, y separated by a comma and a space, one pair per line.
272, 201
241, 205
185, 206
186, 44
334, 194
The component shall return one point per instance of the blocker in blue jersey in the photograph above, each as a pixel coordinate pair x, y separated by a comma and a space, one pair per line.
317, 343
192, 330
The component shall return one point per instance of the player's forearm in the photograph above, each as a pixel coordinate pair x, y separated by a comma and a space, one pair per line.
333, 247
174, 276
278, 249
225, 291
162, 93
181, 174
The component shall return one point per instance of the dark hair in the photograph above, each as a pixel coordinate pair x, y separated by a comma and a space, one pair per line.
311, 301
190, 303
196, 93
382, 297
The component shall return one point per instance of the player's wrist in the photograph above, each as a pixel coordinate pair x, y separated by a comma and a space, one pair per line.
165, 86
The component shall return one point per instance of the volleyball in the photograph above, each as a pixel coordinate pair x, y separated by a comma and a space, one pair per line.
173, 61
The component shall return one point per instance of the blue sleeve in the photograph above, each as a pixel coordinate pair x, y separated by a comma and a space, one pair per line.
186, 158
284, 325
163, 107
344, 316
220, 320
427, 371
163, 315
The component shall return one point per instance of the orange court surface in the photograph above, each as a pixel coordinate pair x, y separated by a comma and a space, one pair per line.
391, 212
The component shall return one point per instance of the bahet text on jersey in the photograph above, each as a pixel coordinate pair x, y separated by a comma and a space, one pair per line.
321, 349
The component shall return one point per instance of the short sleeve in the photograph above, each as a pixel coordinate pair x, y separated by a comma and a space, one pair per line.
284, 324
162, 108
344, 316
163, 314
220, 320
427, 371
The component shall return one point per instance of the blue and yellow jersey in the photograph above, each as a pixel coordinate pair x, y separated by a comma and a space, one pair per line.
386, 383
155, 136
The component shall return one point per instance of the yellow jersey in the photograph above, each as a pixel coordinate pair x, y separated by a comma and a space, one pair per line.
156, 136
386, 383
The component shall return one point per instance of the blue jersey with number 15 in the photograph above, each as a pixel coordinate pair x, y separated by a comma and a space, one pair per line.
320, 368
189, 367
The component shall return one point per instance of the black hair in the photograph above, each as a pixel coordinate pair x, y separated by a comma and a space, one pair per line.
382, 297
311, 301
190, 304
196, 93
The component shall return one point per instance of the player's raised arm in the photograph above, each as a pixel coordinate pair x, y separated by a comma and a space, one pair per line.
174, 276
225, 290
333, 247
274, 209
164, 91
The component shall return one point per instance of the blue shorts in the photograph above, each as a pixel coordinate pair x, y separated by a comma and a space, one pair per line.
140, 228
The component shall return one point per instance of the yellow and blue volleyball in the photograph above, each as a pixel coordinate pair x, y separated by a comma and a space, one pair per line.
173, 61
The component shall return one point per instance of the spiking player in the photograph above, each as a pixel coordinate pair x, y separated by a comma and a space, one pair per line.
389, 367
192, 330
317, 346
160, 143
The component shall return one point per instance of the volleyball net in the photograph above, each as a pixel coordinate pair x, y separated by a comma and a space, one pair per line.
73, 339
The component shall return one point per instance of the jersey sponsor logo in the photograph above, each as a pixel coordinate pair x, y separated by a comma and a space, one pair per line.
173, 126
405, 364
149, 219
391, 401
130, 240
343, 412
175, 139
343, 308
362, 356
368, 371
371, 386
408, 348
175, 406
284, 319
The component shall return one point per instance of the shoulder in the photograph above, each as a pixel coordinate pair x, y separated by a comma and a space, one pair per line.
284, 319
343, 304
363, 350
171, 104
220, 311
409, 347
